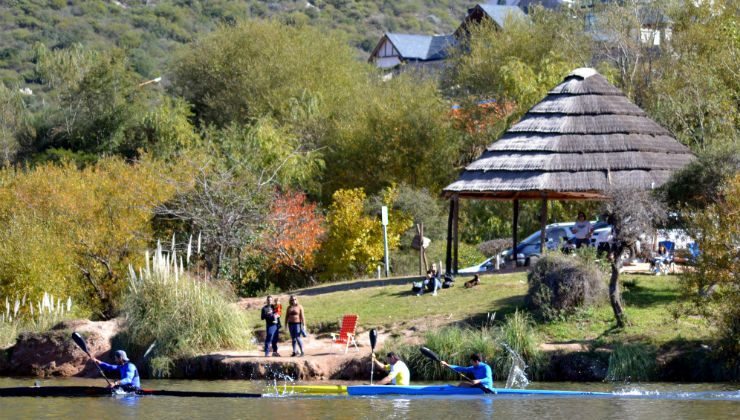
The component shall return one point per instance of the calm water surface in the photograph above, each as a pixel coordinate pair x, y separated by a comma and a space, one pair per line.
647, 401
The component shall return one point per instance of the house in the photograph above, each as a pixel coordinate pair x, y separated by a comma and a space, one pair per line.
430, 51
498, 14
394, 49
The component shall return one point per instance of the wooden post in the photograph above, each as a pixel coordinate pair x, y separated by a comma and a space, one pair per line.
543, 224
421, 248
448, 252
515, 229
455, 237
424, 263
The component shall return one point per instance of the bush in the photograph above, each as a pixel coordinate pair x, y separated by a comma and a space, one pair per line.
494, 246
182, 314
559, 284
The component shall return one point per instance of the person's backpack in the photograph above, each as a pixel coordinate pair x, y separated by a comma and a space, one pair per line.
448, 280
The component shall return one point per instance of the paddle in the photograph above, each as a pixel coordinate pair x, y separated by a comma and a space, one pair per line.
77, 338
432, 355
373, 340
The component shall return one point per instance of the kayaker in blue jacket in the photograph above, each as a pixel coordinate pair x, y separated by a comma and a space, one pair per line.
127, 371
480, 371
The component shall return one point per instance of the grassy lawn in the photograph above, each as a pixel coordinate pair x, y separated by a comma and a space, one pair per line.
648, 301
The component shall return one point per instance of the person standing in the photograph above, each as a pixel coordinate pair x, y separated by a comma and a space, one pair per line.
582, 230
398, 372
272, 327
295, 321
479, 370
129, 375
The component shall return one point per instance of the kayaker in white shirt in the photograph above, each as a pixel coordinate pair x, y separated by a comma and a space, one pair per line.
398, 372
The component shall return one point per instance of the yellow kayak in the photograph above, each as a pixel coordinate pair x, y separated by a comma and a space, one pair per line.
312, 389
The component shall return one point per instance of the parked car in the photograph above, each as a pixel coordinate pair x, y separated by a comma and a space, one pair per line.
528, 250
487, 265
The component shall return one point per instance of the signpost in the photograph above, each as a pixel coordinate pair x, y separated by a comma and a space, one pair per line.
384, 221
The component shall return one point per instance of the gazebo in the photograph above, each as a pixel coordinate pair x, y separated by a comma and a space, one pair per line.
582, 138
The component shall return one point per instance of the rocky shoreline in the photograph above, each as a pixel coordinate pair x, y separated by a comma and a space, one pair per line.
53, 354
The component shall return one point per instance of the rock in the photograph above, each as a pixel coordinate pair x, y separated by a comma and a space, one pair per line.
53, 353
4, 364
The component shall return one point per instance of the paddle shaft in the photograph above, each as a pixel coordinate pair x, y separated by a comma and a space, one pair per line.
373, 340
83, 346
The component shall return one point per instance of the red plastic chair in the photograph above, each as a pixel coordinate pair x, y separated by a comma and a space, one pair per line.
346, 335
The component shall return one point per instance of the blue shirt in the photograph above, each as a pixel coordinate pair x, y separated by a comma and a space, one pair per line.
482, 372
128, 372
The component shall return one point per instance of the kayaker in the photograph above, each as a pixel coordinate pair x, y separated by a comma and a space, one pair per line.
129, 380
398, 372
479, 370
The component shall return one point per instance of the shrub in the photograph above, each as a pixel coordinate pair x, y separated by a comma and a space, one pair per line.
182, 314
494, 246
559, 284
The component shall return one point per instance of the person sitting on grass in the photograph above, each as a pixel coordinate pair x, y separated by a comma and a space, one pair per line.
398, 372
432, 282
481, 373
129, 375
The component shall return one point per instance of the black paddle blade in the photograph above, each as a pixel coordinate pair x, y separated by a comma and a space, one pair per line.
80, 342
430, 354
373, 339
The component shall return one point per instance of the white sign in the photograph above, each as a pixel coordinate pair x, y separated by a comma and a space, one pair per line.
384, 215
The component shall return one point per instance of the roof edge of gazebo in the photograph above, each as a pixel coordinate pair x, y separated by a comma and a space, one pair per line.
527, 195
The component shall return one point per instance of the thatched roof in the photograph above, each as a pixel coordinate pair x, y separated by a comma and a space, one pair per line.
582, 138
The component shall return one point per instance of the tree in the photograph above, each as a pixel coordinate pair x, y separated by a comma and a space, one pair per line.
716, 277
14, 118
354, 241
74, 232
631, 213
292, 238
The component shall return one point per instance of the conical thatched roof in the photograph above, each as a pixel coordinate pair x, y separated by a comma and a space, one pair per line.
582, 138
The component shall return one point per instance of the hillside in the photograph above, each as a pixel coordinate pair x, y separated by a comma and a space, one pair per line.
149, 30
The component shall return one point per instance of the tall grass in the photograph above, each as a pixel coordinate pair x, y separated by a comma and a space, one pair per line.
21, 315
631, 362
184, 315
455, 344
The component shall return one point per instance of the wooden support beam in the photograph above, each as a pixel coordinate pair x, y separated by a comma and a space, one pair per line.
543, 224
515, 229
455, 238
448, 252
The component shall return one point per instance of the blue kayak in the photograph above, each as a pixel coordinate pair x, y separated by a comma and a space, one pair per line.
454, 390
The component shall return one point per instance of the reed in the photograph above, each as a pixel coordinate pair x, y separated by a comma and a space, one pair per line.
455, 344
19, 315
631, 362
183, 314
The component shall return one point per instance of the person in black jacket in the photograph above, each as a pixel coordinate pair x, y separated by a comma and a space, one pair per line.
271, 328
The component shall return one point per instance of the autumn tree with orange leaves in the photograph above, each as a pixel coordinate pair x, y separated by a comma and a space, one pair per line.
293, 236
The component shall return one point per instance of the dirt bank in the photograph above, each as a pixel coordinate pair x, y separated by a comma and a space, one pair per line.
53, 353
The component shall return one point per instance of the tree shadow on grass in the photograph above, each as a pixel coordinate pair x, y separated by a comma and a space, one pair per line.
639, 296
501, 307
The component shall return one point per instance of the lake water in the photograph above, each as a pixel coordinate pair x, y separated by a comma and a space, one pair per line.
647, 401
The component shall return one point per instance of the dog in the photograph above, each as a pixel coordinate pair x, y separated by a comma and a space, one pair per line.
472, 283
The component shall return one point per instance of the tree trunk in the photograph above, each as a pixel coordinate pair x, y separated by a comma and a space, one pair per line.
615, 295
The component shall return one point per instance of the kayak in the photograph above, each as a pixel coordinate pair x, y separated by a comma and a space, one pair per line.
454, 390
94, 391
310, 389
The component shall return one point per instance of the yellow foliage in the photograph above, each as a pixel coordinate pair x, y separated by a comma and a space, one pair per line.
73, 232
354, 243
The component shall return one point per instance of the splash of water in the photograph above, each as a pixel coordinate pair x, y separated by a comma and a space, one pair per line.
517, 377
277, 376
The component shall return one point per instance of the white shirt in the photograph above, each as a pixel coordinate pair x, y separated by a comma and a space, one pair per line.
582, 229
399, 371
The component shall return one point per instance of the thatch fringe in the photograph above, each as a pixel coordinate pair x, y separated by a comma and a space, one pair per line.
619, 142
510, 161
596, 85
586, 105
501, 181
587, 124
